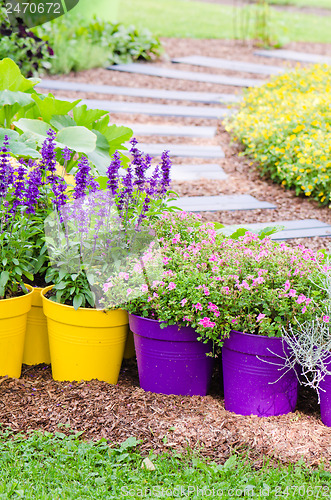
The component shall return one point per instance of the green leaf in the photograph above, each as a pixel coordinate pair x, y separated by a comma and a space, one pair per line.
267, 231
77, 302
50, 106
61, 121
9, 98
20, 145
130, 442
239, 232
79, 139
116, 136
4, 277
85, 117
36, 127
11, 77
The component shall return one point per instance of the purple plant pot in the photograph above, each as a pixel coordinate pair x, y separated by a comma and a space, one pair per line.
171, 360
256, 381
325, 396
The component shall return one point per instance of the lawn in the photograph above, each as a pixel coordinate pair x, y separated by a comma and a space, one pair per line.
326, 4
48, 466
186, 19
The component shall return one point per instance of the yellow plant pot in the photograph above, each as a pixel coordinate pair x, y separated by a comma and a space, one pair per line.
36, 346
13, 317
129, 350
85, 344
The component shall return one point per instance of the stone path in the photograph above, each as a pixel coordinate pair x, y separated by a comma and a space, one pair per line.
157, 109
215, 62
183, 150
197, 171
175, 95
153, 70
306, 228
171, 130
222, 202
292, 55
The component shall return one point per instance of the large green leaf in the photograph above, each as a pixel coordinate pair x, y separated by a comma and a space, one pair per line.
116, 136
19, 145
7, 97
62, 121
79, 139
35, 127
86, 117
99, 157
50, 106
11, 77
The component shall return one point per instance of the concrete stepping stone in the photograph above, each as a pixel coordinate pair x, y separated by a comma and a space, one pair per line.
292, 55
193, 76
215, 62
157, 109
197, 172
306, 228
171, 130
176, 95
220, 203
183, 150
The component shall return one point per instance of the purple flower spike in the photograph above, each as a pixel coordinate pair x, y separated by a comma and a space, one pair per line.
66, 154
32, 194
6, 169
48, 156
112, 173
82, 178
139, 163
19, 191
59, 189
165, 168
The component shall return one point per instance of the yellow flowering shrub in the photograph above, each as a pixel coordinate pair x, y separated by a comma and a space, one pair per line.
285, 126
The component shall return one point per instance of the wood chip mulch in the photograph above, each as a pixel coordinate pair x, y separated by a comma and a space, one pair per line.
116, 412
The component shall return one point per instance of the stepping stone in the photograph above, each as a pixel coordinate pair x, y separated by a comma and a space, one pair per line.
197, 172
152, 70
157, 109
171, 130
215, 62
306, 228
177, 95
220, 203
184, 150
292, 55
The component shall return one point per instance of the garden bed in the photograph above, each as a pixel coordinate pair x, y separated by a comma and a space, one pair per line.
115, 412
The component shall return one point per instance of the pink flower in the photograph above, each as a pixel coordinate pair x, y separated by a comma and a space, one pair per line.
308, 301
176, 239
144, 288
207, 323
326, 319
304, 309
287, 285
129, 290
300, 299
171, 285
183, 302
292, 293
198, 306
260, 317
206, 290
226, 290
106, 286
234, 321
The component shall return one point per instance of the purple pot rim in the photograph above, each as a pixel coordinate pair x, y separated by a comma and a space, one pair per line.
252, 344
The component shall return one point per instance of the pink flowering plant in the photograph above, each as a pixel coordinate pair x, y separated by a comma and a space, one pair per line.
216, 284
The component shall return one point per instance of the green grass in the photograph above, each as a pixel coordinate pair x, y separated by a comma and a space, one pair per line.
185, 19
306, 3
47, 466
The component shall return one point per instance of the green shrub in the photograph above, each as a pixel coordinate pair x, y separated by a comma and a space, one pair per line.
80, 44
27, 50
285, 126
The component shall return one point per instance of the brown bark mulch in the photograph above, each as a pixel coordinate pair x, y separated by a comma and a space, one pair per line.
116, 412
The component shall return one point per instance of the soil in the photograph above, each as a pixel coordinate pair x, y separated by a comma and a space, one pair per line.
164, 423
115, 412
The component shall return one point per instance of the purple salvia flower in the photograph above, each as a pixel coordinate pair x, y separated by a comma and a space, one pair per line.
66, 154
32, 192
19, 189
6, 169
165, 168
139, 163
112, 173
82, 178
59, 190
48, 156
92, 184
